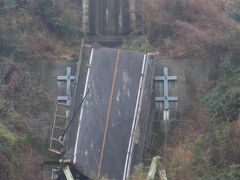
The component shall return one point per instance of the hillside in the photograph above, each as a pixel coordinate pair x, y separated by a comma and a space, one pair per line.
38, 37
35, 36
207, 147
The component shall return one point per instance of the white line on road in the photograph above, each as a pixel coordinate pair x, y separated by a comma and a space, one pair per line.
134, 125
81, 113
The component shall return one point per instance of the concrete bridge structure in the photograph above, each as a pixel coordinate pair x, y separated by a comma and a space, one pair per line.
108, 17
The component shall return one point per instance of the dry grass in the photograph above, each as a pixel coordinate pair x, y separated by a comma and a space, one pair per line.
180, 167
179, 153
180, 27
42, 46
198, 148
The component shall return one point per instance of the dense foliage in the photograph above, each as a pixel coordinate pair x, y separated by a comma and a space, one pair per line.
139, 44
233, 8
223, 101
11, 164
65, 26
31, 31
208, 146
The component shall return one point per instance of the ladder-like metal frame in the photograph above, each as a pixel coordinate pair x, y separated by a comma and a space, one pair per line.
57, 140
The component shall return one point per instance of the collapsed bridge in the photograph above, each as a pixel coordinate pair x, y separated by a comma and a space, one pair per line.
107, 131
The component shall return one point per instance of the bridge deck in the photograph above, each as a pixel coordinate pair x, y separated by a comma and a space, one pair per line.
102, 130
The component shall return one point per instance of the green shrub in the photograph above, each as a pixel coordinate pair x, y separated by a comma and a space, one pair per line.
223, 101
140, 44
63, 27
7, 141
223, 104
139, 173
234, 172
11, 155
46, 9
233, 10
157, 32
10, 37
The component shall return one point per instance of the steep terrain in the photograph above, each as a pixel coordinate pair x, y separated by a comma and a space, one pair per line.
207, 145
36, 38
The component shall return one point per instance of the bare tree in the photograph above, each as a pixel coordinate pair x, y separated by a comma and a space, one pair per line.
15, 87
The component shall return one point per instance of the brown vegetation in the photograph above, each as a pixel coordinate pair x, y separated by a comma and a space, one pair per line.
206, 152
181, 27
31, 34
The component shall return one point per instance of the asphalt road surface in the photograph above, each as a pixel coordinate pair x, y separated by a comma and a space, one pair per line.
102, 130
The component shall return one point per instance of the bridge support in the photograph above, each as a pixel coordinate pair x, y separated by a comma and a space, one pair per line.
132, 13
85, 15
102, 17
